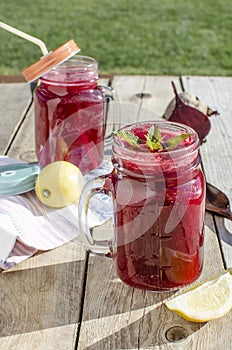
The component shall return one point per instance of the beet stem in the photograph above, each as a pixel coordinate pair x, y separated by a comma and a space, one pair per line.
178, 100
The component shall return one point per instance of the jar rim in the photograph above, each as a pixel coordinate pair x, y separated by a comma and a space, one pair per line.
88, 60
160, 123
78, 70
127, 156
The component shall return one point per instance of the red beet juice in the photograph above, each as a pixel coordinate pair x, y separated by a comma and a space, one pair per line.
69, 115
159, 203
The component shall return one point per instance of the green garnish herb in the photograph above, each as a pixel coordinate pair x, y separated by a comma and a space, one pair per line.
153, 139
130, 138
175, 140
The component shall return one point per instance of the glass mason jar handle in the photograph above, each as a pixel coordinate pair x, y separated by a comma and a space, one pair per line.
93, 187
109, 95
108, 92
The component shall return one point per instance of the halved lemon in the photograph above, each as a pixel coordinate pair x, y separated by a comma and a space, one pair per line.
59, 184
206, 301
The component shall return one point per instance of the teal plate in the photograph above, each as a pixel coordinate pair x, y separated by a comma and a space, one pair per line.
17, 178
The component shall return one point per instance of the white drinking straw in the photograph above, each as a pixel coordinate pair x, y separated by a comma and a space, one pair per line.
26, 36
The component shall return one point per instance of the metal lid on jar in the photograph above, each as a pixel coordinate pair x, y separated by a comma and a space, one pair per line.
50, 60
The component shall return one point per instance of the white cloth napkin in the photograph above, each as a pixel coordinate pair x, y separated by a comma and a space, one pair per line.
27, 226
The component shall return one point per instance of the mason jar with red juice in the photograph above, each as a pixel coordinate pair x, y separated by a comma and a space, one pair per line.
69, 114
158, 192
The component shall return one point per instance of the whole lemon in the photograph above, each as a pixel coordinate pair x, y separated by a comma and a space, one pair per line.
59, 184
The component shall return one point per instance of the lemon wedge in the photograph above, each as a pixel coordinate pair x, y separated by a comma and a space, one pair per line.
59, 184
206, 301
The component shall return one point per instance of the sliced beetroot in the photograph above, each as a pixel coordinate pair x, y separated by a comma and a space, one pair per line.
190, 116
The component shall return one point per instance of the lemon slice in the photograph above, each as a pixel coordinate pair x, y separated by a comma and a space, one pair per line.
207, 301
59, 184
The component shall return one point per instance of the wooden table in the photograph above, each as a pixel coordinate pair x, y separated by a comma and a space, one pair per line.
68, 299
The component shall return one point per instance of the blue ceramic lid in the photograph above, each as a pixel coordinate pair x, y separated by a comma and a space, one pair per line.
17, 178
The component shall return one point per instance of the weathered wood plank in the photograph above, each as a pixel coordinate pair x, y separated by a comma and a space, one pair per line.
47, 288
216, 152
41, 300
15, 99
140, 97
116, 316
157, 94
41, 297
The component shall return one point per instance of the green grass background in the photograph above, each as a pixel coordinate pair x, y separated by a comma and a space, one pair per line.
167, 37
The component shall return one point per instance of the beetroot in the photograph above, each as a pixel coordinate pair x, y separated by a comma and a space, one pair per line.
190, 116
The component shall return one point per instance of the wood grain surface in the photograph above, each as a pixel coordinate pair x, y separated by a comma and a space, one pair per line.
116, 316
41, 298
68, 299
15, 100
217, 151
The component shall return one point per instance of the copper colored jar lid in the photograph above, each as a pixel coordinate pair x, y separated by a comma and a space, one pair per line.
51, 60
